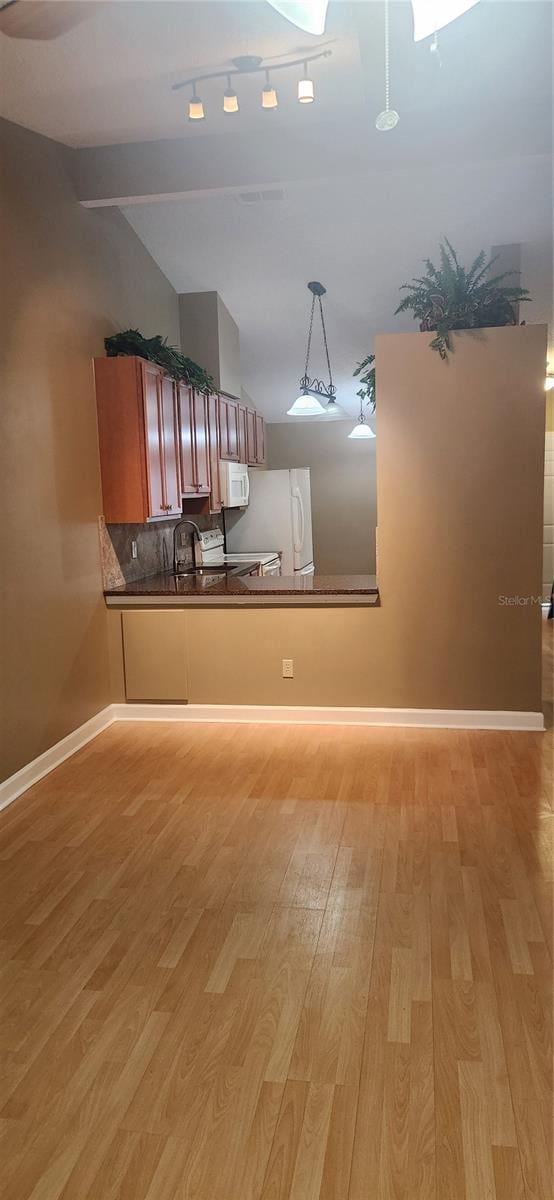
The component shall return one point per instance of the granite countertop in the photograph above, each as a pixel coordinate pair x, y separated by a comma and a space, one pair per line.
232, 588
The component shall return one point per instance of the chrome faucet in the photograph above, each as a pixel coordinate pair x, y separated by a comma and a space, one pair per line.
195, 537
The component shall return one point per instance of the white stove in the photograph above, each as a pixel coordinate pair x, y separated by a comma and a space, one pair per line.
210, 553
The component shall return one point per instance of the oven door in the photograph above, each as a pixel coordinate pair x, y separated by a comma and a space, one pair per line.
271, 568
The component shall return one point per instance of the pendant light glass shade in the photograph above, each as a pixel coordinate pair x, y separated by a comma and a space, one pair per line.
196, 109
361, 430
230, 99
305, 406
306, 91
269, 95
333, 409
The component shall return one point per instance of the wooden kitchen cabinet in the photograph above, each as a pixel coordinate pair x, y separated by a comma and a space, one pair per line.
229, 428
212, 410
243, 440
251, 437
138, 440
193, 441
260, 440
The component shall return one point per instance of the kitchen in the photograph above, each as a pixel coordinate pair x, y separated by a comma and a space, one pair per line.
169, 449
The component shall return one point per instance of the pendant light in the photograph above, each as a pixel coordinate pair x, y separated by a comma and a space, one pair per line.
388, 118
361, 430
196, 108
230, 99
269, 95
308, 403
305, 88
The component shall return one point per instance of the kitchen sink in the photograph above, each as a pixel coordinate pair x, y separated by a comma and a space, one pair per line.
192, 571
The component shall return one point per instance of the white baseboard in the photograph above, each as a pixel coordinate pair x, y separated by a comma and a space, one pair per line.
267, 714
262, 714
12, 787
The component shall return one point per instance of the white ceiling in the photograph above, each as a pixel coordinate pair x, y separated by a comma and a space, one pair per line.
469, 159
110, 78
362, 238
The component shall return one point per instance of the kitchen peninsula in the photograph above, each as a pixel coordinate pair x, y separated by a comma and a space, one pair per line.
238, 588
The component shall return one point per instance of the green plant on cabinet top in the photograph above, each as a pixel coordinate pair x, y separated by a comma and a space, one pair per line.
155, 349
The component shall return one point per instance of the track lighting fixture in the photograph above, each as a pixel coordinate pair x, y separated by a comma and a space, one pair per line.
252, 64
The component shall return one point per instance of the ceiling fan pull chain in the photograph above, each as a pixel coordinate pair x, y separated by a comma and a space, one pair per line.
389, 118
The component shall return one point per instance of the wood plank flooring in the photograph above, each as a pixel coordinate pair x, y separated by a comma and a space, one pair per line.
279, 963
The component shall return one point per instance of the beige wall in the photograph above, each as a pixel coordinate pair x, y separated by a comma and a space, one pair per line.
460, 481
70, 277
210, 336
343, 484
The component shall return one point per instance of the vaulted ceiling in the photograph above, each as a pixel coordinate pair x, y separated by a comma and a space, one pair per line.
333, 198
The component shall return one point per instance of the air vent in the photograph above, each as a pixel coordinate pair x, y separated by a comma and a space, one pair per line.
267, 196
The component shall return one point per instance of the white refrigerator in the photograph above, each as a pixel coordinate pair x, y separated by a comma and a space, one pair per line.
279, 517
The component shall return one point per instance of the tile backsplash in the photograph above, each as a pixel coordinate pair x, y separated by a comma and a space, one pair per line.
154, 548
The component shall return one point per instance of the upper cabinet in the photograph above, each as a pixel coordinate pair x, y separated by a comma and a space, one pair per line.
161, 442
193, 441
251, 437
212, 409
229, 428
260, 440
139, 442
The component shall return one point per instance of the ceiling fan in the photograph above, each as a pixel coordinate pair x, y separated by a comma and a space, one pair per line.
41, 20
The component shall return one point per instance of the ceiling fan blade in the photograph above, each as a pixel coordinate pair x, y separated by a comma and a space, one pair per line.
41, 20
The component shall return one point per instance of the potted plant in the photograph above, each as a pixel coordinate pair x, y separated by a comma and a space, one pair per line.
450, 297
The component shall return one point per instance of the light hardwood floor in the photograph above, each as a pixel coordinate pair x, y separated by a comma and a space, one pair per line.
280, 963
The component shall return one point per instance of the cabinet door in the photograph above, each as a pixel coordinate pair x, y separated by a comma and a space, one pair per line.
201, 443
260, 440
229, 428
170, 447
251, 437
153, 437
214, 453
243, 436
186, 440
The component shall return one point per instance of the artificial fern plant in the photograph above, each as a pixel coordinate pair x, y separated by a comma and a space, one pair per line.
450, 297
366, 373
156, 349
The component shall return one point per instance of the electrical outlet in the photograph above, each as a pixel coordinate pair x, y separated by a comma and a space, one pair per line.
288, 668
134, 551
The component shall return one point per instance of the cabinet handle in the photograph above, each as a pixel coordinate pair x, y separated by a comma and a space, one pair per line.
165, 507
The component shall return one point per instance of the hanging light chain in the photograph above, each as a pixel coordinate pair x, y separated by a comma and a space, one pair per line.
309, 339
331, 388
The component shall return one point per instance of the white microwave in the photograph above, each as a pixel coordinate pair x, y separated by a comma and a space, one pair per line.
235, 484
